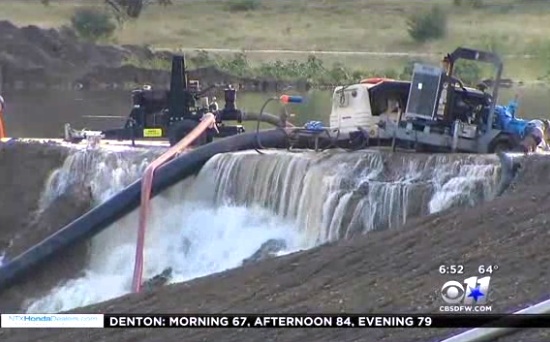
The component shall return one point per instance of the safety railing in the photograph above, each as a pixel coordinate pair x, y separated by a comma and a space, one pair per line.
208, 121
489, 334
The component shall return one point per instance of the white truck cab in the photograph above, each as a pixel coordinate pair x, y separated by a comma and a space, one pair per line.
361, 106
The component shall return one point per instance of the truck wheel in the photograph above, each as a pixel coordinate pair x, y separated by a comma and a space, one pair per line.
502, 144
179, 130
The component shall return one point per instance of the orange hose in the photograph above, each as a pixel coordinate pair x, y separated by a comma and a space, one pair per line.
2, 129
209, 120
375, 80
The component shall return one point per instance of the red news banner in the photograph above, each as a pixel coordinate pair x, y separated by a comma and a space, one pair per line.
326, 321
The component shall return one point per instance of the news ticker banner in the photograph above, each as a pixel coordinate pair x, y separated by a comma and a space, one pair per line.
272, 321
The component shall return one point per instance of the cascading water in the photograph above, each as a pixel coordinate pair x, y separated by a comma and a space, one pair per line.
105, 172
332, 195
101, 172
177, 237
211, 222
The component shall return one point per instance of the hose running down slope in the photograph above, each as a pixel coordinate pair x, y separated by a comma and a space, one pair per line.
238, 201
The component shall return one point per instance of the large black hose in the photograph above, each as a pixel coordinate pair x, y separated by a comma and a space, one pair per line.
265, 117
100, 217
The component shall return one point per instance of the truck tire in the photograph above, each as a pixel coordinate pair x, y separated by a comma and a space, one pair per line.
179, 130
503, 143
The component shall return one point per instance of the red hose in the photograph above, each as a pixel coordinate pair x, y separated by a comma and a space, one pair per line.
209, 120
2, 129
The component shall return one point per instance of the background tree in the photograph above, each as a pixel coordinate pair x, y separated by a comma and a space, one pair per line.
132, 8
92, 23
429, 24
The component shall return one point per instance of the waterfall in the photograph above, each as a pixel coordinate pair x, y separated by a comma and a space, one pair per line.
332, 195
212, 221
104, 171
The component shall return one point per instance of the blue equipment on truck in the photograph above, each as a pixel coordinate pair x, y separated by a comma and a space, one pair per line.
506, 120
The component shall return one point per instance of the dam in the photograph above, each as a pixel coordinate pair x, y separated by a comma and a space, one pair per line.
307, 199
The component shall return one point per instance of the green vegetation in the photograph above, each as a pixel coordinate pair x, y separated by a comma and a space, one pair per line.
509, 27
130, 9
312, 70
92, 24
470, 3
153, 64
543, 51
243, 5
428, 25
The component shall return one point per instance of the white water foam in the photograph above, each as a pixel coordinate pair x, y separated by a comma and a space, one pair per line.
218, 239
462, 186
105, 172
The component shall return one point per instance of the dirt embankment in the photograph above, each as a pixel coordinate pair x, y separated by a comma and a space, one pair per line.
24, 171
32, 57
380, 272
35, 58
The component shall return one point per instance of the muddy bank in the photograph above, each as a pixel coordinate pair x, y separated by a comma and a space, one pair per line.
24, 171
35, 58
532, 171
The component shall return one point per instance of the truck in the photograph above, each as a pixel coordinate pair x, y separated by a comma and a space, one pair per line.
434, 112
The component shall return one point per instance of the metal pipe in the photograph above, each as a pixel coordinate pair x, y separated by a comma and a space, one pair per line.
488, 334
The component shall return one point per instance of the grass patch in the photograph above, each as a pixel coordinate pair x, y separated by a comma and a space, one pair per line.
505, 26
243, 5
153, 63
364, 25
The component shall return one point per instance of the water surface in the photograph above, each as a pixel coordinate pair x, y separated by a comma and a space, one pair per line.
42, 114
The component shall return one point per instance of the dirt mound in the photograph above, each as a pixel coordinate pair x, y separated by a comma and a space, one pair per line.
381, 272
35, 58
532, 171
32, 57
24, 170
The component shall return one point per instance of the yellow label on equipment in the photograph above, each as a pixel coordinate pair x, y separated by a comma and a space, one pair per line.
152, 133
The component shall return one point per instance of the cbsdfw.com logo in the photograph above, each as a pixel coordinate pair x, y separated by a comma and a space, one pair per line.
471, 297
